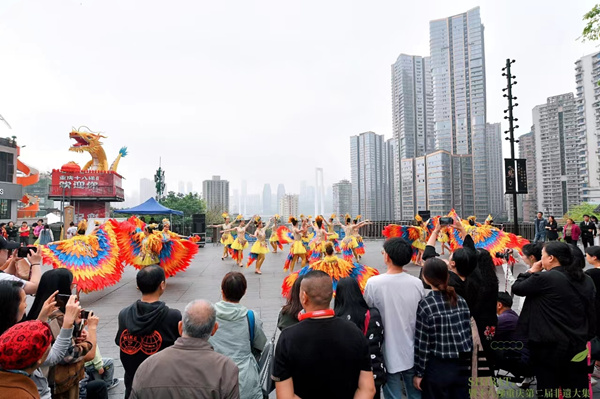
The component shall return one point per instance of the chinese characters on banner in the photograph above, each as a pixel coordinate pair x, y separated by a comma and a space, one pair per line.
85, 184
515, 171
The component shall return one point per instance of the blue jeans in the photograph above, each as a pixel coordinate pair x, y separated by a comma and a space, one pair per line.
393, 388
107, 376
539, 237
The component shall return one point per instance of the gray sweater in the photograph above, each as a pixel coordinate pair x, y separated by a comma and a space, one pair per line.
57, 353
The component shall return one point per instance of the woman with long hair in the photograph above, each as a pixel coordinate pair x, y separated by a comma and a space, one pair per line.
226, 238
557, 317
442, 337
351, 305
46, 235
332, 235
13, 303
260, 247
288, 316
274, 239
552, 229
297, 250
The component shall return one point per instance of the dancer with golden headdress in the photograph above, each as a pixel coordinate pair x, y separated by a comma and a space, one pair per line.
360, 249
260, 247
294, 237
274, 239
317, 245
337, 268
226, 237
240, 243
332, 235
349, 243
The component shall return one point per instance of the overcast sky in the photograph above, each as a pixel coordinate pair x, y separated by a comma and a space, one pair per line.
257, 90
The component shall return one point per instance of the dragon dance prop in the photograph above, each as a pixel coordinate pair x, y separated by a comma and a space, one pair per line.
93, 259
140, 249
336, 268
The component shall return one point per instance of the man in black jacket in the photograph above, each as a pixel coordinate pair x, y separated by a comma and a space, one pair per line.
148, 326
588, 231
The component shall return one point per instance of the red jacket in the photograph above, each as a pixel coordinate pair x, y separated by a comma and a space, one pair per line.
575, 232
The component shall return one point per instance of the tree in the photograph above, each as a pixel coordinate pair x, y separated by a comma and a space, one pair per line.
576, 213
188, 204
591, 32
159, 180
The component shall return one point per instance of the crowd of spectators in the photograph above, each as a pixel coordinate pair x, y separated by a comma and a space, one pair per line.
448, 333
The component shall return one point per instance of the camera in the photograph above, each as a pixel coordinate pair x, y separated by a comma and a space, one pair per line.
504, 255
84, 314
62, 299
446, 221
22, 252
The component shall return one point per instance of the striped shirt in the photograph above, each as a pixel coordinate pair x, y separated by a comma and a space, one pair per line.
442, 330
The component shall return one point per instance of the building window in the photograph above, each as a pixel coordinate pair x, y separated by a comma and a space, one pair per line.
5, 209
7, 167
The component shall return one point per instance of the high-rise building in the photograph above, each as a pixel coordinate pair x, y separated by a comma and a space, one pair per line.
216, 194
438, 170
342, 198
459, 102
243, 199
527, 152
390, 185
147, 189
587, 77
280, 194
288, 206
557, 160
319, 192
495, 166
266, 200
367, 160
190, 187
412, 113
181, 187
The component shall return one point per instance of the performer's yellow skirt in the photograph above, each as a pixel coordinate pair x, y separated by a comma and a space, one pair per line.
226, 239
274, 237
333, 236
419, 244
259, 248
317, 246
443, 238
350, 242
297, 248
147, 259
238, 246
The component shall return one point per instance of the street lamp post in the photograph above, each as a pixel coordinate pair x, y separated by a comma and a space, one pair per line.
511, 129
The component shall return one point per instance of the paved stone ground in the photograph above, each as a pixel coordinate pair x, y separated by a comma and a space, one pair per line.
202, 280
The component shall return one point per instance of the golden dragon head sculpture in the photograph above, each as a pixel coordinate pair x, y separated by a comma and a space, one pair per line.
88, 141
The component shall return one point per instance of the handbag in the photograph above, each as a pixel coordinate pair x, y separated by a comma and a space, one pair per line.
265, 367
23, 269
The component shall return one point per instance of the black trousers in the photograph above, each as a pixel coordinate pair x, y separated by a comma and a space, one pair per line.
445, 379
568, 240
97, 390
587, 240
554, 370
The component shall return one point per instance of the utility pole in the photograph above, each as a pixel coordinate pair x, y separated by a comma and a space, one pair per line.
511, 129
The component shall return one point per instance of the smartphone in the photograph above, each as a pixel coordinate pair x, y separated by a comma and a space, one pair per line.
446, 221
62, 299
22, 252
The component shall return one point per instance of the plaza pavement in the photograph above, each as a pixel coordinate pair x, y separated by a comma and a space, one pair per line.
202, 280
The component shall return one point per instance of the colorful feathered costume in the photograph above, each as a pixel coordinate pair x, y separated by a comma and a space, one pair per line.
140, 249
93, 259
296, 248
417, 236
336, 268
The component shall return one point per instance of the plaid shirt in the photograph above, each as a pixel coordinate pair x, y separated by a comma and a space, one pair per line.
442, 330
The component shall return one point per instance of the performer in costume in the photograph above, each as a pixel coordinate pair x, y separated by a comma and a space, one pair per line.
416, 235
421, 242
332, 235
337, 268
260, 247
240, 243
360, 250
82, 227
226, 237
307, 236
349, 243
317, 245
274, 240
297, 250
93, 259
151, 244
443, 238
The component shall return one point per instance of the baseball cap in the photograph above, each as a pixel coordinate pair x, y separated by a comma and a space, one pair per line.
24, 344
4, 244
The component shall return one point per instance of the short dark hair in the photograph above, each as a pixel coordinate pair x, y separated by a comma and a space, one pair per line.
533, 249
234, 286
586, 215
318, 287
505, 299
71, 224
594, 250
149, 278
399, 251
465, 261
